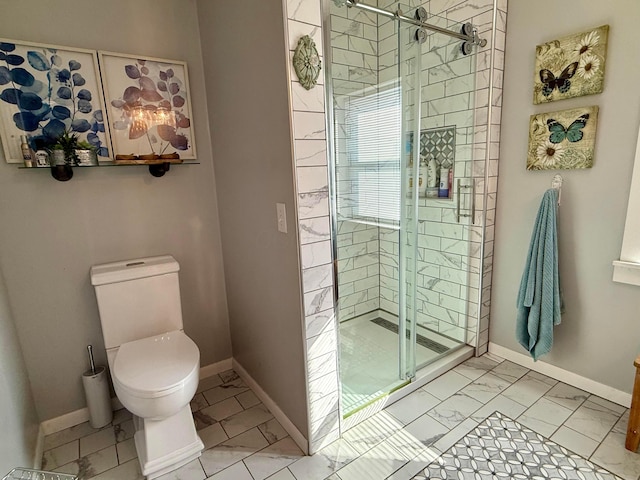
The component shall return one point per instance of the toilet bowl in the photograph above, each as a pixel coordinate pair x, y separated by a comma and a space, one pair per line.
155, 378
154, 364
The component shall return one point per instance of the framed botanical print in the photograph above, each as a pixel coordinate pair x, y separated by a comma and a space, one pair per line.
148, 106
47, 91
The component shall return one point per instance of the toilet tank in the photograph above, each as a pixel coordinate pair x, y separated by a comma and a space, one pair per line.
137, 298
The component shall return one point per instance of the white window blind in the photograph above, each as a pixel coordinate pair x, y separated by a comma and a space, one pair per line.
373, 145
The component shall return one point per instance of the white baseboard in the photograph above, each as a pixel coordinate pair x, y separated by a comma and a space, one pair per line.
287, 424
39, 450
215, 368
609, 393
77, 417
72, 419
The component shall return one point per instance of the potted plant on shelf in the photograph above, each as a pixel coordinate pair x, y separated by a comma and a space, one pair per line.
68, 151
63, 151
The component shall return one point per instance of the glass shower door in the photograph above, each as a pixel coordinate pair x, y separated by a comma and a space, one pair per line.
448, 243
372, 124
403, 178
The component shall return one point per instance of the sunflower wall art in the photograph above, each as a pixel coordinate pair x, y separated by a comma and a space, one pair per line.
571, 66
562, 140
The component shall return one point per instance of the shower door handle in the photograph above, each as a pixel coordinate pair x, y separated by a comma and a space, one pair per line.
473, 201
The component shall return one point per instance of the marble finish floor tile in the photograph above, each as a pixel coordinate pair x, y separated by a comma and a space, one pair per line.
243, 441
124, 431
455, 409
284, 474
375, 464
232, 451
446, 385
97, 441
407, 409
476, 367
275, 457
528, 389
125, 471
593, 420
198, 402
212, 435
93, 464
574, 441
191, 471
509, 371
544, 417
245, 420
612, 455
272, 430
486, 387
58, 456
126, 451
68, 435
324, 463
237, 471
500, 404
372, 431
567, 396
418, 435
209, 383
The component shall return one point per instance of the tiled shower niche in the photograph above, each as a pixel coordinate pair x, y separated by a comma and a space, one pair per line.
438, 144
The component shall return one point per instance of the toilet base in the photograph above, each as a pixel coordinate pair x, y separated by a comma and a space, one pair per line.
167, 444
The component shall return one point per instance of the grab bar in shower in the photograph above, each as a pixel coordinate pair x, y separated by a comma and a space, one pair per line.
472, 186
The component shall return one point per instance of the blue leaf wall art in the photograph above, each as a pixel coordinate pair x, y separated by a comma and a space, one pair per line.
46, 91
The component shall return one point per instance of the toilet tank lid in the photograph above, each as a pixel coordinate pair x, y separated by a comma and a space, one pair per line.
132, 269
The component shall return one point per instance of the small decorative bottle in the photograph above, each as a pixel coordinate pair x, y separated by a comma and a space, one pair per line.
443, 190
422, 180
432, 178
27, 155
410, 180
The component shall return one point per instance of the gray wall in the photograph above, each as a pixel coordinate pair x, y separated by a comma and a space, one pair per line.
244, 56
598, 337
53, 232
18, 419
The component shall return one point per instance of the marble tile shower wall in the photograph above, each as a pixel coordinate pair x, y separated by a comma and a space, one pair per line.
304, 17
354, 67
308, 121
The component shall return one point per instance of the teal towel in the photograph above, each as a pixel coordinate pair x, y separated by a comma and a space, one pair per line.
539, 300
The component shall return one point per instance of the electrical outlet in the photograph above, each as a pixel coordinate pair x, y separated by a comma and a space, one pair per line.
282, 217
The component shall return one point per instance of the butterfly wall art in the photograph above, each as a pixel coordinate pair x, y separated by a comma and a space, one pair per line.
562, 140
571, 66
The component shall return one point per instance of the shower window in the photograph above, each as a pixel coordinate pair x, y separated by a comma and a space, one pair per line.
373, 131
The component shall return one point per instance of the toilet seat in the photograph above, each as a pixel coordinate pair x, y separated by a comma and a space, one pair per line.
156, 366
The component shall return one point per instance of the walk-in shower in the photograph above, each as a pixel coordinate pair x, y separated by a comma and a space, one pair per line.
401, 98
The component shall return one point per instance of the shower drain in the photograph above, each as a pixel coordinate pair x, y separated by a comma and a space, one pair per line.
420, 340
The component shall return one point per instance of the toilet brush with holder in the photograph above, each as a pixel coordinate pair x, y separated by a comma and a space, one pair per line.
96, 391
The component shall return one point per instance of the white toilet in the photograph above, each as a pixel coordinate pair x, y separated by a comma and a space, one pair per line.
154, 365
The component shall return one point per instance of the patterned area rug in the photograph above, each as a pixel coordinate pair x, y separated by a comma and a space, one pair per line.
502, 448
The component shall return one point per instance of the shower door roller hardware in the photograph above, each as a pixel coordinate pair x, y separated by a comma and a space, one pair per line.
421, 35
473, 201
466, 48
421, 14
467, 29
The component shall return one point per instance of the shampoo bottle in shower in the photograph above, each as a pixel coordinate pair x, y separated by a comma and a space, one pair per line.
423, 178
443, 190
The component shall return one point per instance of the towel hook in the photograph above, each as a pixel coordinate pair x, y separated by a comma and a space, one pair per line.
556, 183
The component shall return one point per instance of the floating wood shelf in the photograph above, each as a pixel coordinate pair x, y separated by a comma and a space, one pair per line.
157, 161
